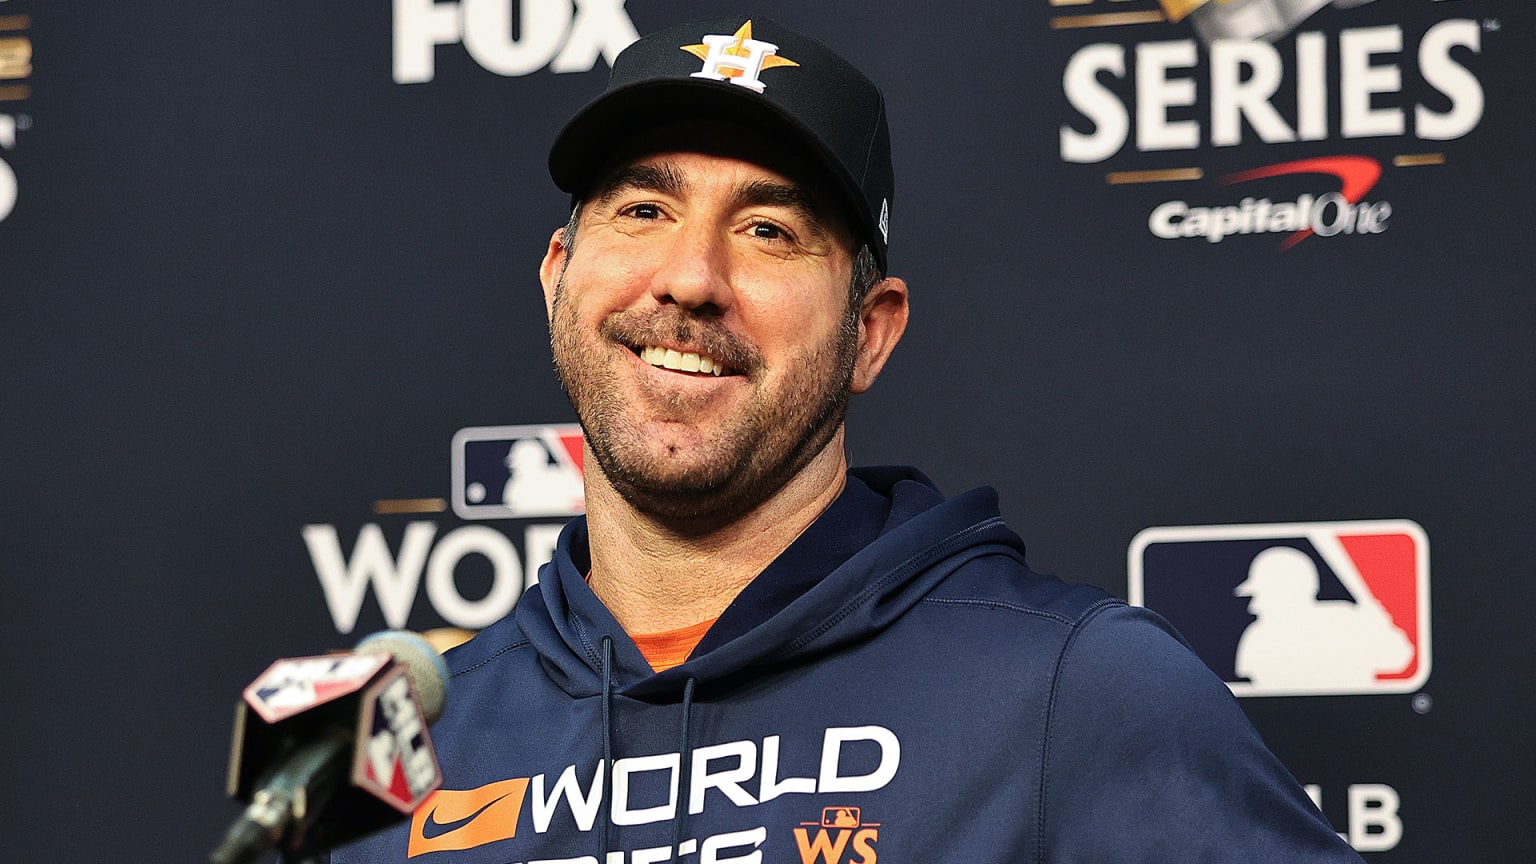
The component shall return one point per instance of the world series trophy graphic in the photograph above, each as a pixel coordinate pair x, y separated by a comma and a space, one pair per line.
1247, 19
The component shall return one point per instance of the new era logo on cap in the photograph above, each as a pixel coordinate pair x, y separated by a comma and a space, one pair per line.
1310, 608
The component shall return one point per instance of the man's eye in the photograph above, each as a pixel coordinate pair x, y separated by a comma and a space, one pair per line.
767, 231
644, 211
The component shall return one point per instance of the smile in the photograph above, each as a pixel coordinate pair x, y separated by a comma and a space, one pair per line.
671, 358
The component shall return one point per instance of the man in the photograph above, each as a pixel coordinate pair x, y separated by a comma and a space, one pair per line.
746, 652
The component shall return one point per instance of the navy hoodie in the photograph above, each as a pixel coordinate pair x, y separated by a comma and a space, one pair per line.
898, 685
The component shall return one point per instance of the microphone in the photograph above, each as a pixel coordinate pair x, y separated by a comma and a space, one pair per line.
337, 747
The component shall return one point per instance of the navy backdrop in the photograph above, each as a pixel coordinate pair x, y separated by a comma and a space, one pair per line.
261, 265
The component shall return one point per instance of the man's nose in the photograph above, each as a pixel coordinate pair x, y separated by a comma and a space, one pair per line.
693, 272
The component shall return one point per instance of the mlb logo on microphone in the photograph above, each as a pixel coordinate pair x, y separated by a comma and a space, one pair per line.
518, 472
1297, 609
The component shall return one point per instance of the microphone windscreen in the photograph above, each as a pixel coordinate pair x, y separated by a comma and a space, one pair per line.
423, 665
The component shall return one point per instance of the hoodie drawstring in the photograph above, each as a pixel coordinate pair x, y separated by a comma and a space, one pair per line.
680, 814
684, 757
602, 854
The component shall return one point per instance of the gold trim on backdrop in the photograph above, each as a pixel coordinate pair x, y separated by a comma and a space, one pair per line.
390, 506
1165, 175
1108, 19
1411, 160
443, 638
15, 57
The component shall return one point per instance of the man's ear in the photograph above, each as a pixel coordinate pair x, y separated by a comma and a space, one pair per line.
882, 320
551, 268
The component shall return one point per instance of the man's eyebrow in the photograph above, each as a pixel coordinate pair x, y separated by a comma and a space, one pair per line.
662, 179
770, 193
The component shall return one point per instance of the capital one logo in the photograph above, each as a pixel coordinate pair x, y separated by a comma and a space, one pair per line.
564, 36
1327, 215
1298, 609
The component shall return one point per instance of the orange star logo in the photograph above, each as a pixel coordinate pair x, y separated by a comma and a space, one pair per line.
744, 47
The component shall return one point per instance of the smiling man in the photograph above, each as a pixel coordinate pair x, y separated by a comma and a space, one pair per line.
747, 652
709, 331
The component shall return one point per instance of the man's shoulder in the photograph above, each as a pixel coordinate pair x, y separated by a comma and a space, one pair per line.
1005, 584
1006, 604
500, 641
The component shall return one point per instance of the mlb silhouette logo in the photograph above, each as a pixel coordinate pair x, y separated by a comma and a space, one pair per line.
1299, 609
518, 472
840, 817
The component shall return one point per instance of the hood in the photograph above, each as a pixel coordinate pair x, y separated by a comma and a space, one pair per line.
921, 538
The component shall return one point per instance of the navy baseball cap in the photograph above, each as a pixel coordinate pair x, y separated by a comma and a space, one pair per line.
756, 73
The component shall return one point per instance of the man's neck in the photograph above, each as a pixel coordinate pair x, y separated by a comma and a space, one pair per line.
654, 579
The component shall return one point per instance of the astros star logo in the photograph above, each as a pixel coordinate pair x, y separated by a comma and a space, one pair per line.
737, 58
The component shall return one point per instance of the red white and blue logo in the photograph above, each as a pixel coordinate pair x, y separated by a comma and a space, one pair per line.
518, 472
394, 759
1298, 609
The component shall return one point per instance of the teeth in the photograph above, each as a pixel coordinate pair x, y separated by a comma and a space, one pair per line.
670, 358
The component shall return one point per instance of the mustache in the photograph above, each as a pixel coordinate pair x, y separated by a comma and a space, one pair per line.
673, 326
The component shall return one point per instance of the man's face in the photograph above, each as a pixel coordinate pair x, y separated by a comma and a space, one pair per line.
731, 274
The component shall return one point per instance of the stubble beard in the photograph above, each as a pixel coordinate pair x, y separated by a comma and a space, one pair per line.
750, 457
